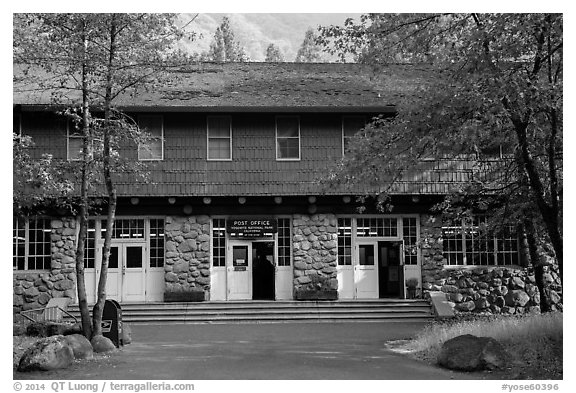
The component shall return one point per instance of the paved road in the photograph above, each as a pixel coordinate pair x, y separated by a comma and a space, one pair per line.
299, 351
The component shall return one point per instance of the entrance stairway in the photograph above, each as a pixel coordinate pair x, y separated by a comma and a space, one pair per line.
379, 310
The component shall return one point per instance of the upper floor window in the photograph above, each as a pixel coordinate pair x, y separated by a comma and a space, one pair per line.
17, 123
287, 138
469, 242
31, 248
350, 126
74, 142
154, 149
219, 138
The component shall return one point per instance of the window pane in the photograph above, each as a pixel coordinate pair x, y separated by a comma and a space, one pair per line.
410, 247
344, 241
74, 148
18, 244
156, 242
219, 127
288, 148
218, 242
284, 242
152, 150
151, 124
113, 260
125, 229
366, 254
39, 253
134, 257
90, 245
218, 148
287, 127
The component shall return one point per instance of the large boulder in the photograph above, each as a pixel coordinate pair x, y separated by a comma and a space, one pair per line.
80, 346
471, 353
49, 353
101, 344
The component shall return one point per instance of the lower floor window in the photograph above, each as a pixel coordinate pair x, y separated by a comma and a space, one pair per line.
31, 248
469, 242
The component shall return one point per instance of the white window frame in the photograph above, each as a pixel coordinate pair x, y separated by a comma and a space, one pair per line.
493, 255
26, 222
140, 148
299, 139
343, 135
277, 240
399, 232
208, 137
212, 227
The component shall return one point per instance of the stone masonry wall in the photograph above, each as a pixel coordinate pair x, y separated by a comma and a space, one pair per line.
187, 265
315, 247
34, 289
431, 251
497, 290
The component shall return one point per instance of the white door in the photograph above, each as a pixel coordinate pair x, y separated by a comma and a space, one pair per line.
91, 281
133, 272
126, 279
366, 271
114, 276
218, 283
154, 283
284, 279
345, 275
239, 271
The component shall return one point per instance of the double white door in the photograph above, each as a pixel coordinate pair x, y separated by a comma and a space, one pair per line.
235, 280
129, 277
359, 280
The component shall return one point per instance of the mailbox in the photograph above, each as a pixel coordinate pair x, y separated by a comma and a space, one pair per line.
112, 322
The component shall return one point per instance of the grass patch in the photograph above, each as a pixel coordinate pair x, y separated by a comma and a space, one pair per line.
534, 341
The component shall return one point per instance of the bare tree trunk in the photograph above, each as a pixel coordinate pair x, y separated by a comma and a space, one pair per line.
548, 212
80, 279
536, 263
110, 188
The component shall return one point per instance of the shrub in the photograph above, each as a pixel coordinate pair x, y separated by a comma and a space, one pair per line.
534, 340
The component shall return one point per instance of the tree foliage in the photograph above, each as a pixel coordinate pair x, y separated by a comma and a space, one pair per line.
35, 182
86, 62
224, 47
309, 51
273, 54
492, 81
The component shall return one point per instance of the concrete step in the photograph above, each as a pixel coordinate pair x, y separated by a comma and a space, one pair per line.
392, 310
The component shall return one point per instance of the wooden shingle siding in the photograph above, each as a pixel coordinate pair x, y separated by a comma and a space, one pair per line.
253, 170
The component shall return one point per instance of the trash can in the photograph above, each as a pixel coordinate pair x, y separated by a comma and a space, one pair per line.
112, 322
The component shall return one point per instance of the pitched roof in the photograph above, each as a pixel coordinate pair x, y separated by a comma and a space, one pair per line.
258, 87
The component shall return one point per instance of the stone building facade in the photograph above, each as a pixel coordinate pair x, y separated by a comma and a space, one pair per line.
253, 151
